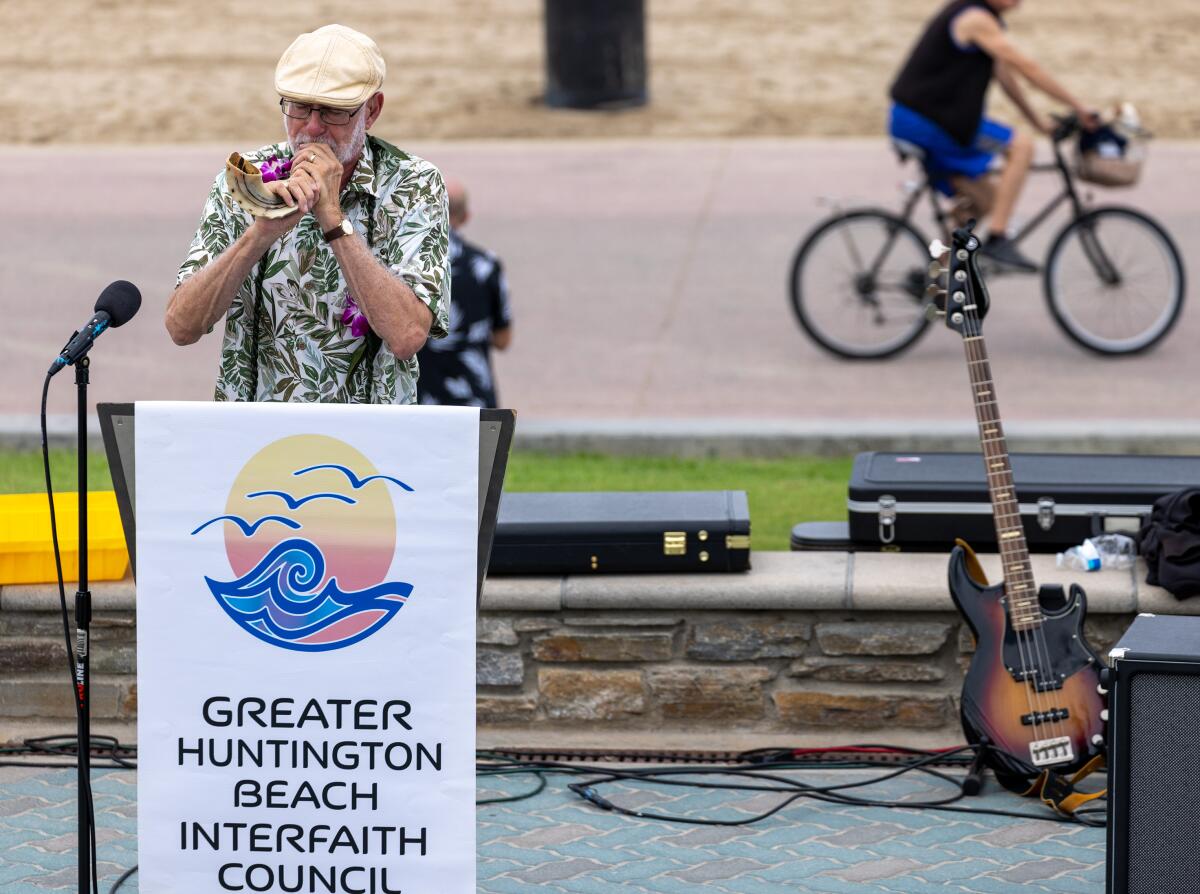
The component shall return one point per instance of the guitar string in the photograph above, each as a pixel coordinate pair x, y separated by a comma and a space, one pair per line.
1028, 646
1030, 697
1023, 579
1034, 639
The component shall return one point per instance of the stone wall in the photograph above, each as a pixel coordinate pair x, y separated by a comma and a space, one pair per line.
815, 641
758, 671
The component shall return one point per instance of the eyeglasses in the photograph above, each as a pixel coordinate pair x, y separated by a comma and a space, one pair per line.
302, 111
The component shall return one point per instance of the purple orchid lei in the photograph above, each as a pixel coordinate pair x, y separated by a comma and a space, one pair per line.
275, 168
354, 318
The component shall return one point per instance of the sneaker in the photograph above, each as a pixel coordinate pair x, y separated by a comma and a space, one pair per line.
1000, 250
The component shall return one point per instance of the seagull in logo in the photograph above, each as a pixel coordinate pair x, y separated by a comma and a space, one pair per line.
297, 502
355, 481
248, 528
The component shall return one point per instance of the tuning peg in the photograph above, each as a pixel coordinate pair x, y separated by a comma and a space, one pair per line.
934, 291
937, 250
937, 271
932, 312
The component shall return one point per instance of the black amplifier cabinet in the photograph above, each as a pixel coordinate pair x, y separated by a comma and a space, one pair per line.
1154, 758
622, 532
923, 501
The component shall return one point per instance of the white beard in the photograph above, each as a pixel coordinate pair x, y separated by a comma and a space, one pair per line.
346, 152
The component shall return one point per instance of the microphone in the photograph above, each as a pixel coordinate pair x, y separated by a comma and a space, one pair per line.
116, 305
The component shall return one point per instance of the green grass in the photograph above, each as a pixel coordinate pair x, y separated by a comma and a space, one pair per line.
21, 471
782, 492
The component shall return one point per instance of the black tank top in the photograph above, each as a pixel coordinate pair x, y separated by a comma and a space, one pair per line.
944, 83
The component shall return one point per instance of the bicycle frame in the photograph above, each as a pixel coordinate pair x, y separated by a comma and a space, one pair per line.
1068, 194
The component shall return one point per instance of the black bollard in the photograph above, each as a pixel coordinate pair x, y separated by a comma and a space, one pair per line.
595, 53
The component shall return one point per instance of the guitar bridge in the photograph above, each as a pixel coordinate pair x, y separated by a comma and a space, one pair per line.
1048, 752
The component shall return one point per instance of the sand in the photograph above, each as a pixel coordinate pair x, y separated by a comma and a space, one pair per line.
134, 71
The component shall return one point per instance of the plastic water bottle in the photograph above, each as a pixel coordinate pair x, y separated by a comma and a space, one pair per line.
1116, 550
1105, 551
1084, 557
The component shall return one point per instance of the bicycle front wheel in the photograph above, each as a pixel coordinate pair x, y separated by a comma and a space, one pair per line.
1114, 281
858, 284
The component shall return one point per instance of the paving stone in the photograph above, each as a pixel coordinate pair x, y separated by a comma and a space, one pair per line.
52, 699
882, 638
718, 870
128, 701
503, 709
831, 669
828, 709
24, 654
966, 639
535, 625
874, 870
1103, 631
495, 632
495, 667
604, 647
747, 640
559, 844
689, 693
591, 695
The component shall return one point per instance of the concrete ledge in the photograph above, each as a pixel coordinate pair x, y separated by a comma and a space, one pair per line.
732, 437
107, 596
814, 581
839, 437
778, 581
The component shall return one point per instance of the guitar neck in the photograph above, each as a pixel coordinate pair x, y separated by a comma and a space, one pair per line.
1024, 609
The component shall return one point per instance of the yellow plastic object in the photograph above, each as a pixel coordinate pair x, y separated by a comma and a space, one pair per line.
27, 553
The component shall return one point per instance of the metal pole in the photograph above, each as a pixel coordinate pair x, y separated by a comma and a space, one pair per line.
83, 619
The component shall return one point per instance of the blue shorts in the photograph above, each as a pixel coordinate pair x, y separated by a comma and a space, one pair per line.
945, 156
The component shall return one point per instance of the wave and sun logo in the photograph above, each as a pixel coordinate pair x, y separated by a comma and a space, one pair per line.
310, 531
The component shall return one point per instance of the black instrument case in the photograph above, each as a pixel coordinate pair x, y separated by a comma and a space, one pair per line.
622, 532
923, 501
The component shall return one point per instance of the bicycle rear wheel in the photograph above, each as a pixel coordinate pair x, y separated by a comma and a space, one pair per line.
858, 284
1114, 281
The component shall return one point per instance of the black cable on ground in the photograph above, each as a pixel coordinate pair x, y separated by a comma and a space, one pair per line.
116, 886
66, 747
754, 770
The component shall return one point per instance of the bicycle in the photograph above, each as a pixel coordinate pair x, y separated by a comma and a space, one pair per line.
1113, 279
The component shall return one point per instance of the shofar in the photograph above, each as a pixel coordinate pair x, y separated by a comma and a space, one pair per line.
245, 184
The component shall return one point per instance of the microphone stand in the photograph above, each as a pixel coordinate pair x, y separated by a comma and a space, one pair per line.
83, 620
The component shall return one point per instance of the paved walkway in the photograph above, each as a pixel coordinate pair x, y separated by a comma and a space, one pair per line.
649, 281
561, 844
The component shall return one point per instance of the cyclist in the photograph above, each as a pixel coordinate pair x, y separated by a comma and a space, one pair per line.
938, 107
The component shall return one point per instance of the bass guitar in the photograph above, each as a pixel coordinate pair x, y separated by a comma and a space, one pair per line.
1031, 699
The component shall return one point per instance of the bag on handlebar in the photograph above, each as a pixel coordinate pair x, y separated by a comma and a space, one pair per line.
1113, 154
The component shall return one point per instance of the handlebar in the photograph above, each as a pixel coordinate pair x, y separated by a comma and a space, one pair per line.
1066, 126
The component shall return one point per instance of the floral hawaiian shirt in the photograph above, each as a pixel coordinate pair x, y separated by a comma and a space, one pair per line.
292, 332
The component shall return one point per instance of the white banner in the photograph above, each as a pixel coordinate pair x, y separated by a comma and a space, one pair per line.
306, 648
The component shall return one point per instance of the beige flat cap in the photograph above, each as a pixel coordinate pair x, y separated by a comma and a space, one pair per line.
333, 66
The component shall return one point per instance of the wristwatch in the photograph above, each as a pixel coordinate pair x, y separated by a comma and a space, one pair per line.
345, 228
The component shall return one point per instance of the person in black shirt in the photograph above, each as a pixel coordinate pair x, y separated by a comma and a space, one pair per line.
938, 106
457, 370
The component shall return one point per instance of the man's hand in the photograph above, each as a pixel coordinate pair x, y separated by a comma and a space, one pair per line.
298, 195
1089, 118
315, 163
